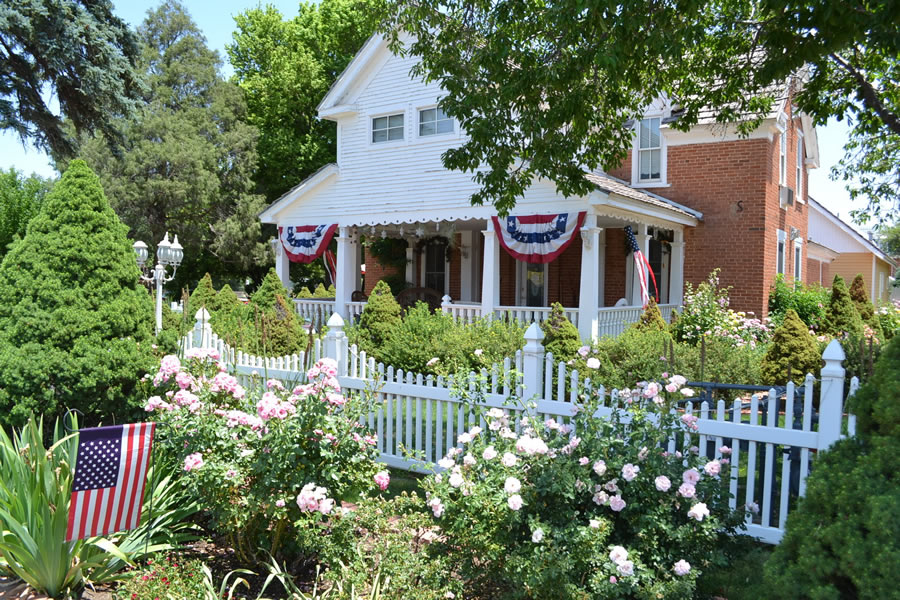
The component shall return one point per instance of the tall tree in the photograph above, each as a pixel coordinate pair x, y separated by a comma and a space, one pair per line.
285, 68
548, 89
190, 157
20, 200
79, 52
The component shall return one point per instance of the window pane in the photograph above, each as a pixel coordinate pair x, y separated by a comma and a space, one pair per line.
654, 164
780, 264
379, 135
426, 128
395, 133
441, 114
445, 126
426, 115
396, 120
654, 133
645, 134
379, 123
645, 164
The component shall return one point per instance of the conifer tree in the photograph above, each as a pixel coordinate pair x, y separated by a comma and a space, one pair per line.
203, 296
841, 316
793, 350
271, 286
865, 308
75, 323
381, 316
560, 336
652, 319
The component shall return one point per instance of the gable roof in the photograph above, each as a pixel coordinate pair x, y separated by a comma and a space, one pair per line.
269, 214
850, 231
337, 93
613, 185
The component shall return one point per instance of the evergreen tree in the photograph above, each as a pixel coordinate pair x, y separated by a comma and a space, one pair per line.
280, 331
203, 296
380, 318
865, 309
20, 201
271, 287
651, 318
841, 316
75, 323
560, 336
792, 350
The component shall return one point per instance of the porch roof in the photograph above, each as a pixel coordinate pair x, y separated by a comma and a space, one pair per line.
612, 185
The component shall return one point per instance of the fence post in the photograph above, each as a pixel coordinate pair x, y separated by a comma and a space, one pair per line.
445, 303
202, 329
831, 396
334, 343
533, 361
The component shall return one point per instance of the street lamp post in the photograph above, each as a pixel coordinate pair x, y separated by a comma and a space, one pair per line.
167, 254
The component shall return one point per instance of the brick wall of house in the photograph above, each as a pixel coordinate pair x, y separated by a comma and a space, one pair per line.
735, 184
375, 272
614, 284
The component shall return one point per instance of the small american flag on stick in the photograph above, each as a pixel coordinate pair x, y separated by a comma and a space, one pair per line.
110, 477
641, 267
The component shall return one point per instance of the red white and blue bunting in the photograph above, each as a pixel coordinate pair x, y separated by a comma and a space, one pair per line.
538, 238
306, 243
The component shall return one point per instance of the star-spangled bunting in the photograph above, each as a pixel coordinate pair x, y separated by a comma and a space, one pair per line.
538, 238
641, 266
110, 477
305, 243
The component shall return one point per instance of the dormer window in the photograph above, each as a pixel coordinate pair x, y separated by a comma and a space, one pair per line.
387, 129
649, 151
434, 121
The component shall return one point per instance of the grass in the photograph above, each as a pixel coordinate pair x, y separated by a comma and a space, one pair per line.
743, 578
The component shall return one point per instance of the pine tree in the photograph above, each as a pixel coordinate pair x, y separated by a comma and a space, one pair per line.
560, 336
203, 296
265, 294
865, 309
841, 316
75, 323
793, 350
381, 316
652, 319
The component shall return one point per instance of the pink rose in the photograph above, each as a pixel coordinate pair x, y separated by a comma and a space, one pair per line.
514, 502
691, 476
382, 479
686, 490
662, 483
616, 503
682, 568
193, 461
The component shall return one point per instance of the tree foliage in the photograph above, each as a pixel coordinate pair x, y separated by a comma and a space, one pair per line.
75, 324
190, 156
380, 318
20, 201
80, 52
792, 354
547, 90
285, 68
560, 336
841, 317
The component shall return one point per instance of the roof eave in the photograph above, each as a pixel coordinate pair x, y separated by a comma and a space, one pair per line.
270, 213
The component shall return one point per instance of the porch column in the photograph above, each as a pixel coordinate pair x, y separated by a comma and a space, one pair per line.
410, 256
676, 270
282, 264
589, 296
601, 272
490, 273
643, 241
465, 268
345, 276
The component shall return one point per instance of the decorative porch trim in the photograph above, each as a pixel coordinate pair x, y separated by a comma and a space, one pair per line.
306, 243
538, 239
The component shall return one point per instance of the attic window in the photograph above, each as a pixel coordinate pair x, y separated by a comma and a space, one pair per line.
387, 129
649, 150
434, 121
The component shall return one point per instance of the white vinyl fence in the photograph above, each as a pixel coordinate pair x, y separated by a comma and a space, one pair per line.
773, 435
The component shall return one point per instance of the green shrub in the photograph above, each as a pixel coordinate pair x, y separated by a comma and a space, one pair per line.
304, 293
865, 309
75, 323
808, 301
203, 296
321, 292
652, 318
792, 351
877, 403
379, 318
280, 331
719, 359
166, 577
842, 320
271, 286
560, 336
889, 319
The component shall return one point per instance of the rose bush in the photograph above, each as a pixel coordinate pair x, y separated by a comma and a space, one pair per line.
592, 508
270, 464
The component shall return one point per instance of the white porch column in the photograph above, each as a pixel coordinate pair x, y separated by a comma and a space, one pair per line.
643, 241
465, 268
282, 264
601, 272
410, 256
589, 296
676, 272
490, 274
346, 277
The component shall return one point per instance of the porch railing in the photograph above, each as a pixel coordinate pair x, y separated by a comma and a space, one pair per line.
533, 314
613, 320
315, 311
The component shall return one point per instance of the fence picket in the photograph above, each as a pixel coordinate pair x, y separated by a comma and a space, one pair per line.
807, 426
735, 456
786, 456
751, 452
771, 421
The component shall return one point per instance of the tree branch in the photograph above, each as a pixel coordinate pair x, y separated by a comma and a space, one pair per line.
869, 94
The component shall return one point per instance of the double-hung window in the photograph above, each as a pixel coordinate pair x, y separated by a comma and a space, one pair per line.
800, 168
782, 159
434, 121
798, 260
779, 256
387, 129
649, 150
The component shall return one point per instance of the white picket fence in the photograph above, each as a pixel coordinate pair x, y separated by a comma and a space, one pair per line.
772, 454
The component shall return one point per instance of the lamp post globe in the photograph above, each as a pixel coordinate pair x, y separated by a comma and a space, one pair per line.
167, 254
141, 253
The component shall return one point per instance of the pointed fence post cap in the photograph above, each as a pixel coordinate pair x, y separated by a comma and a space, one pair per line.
534, 333
335, 321
202, 315
834, 351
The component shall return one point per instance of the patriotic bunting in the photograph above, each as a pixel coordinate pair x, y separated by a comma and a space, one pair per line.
538, 238
641, 266
306, 243
110, 476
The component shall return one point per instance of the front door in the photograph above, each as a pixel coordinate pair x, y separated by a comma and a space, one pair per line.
532, 284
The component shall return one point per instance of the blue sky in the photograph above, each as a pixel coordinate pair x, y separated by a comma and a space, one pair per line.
216, 20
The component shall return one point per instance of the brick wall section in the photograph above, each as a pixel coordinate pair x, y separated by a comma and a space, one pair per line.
614, 285
735, 184
375, 272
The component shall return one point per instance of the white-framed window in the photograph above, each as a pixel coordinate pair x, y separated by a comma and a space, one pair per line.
779, 253
798, 260
800, 168
782, 158
434, 121
435, 271
650, 151
388, 128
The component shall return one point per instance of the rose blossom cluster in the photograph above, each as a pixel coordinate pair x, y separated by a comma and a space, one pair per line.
271, 406
313, 498
619, 557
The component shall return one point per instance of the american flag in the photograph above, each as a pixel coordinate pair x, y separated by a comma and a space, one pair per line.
641, 266
110, 477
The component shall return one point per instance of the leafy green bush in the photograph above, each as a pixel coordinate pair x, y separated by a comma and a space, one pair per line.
321, 292
652, 318
379, 319
433, 342
75, 324
271, 466
793, 351
560, 336
876, 403
304, 293
889, 319
34, 508
607, 514
808, 301
166, 577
